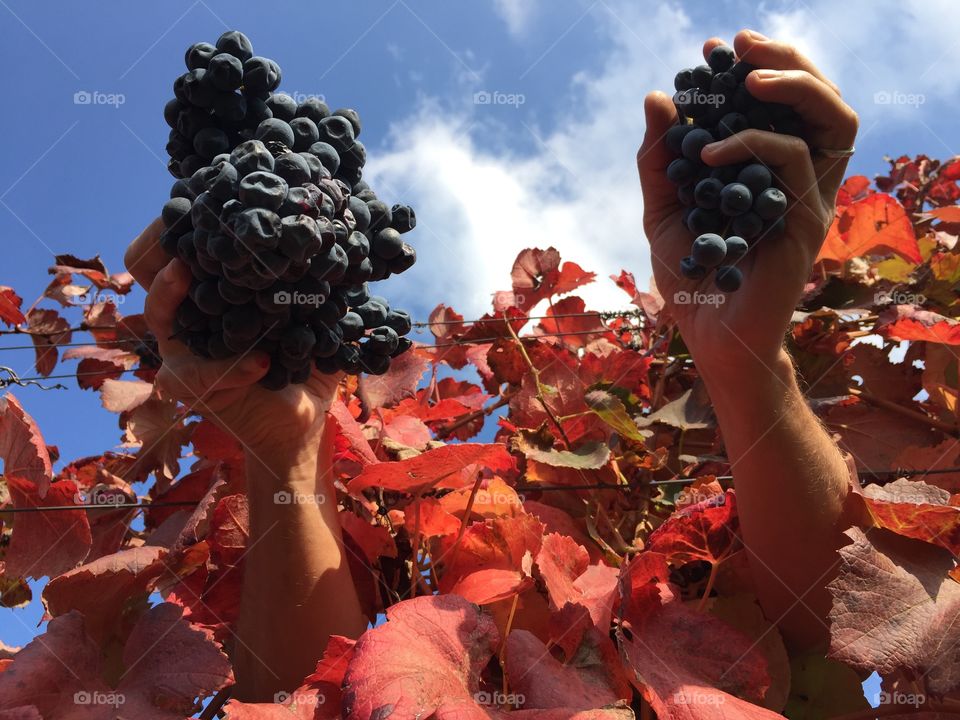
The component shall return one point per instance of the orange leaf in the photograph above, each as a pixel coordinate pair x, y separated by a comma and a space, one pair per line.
877, 224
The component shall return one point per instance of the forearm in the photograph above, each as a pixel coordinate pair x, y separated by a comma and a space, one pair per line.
297, 588
791, 481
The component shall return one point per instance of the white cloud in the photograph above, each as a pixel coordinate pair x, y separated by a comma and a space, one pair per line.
517, 14
575, 187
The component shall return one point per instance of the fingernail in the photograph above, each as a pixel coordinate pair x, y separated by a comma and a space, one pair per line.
757, 36
711, 148
767, 73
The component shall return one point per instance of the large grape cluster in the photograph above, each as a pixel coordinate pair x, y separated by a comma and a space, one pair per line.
729, 208
280, 231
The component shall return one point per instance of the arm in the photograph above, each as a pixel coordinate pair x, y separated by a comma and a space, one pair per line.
790, 477
297, 588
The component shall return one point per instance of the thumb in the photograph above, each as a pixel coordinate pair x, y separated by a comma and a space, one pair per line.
659, 194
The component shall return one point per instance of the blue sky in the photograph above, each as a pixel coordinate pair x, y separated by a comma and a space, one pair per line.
551, 162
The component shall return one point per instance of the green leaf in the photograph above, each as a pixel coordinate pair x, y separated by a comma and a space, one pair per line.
611, 410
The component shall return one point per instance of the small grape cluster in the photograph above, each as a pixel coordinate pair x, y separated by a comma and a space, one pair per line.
280, 231
727, 208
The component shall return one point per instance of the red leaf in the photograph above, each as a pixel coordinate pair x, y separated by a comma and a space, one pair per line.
537, 274
690, 665
158, 427
434, 520
168, 664
439, 468
915, 510
336, 659
564, 565
508, 543
591, 681
574, 332
877, 224
705, 531
22, 448
124, 395
352, 432
48, 330
375, 540
93, 270
895, 609
100, 589
212, 443
229, 530
949, 214
491, 585
425, 661
908, 322
399, 382
46, 543
10, 304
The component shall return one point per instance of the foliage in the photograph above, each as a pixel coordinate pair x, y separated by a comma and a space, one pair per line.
548, 572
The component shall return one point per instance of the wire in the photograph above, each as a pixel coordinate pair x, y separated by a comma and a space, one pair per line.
899, 473
97, 506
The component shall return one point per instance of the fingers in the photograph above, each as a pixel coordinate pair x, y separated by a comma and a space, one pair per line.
787, 156
145, 257
830, 122
763, 52
659, 194
167, 290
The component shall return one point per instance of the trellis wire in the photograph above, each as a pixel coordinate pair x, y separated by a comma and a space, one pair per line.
899, 473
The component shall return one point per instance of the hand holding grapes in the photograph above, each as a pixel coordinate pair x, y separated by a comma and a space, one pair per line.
749, 324
225, 391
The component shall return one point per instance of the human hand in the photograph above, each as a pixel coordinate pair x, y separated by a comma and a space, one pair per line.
747, 327
268, 423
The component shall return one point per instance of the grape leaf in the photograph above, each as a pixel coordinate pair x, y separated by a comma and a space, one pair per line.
534, 445
399, 382
124, 395
705, 531
100, 589
611, 410
10, 304
537, 274
47, 543
569, 577
22, 448
424, 661
439, 468
872, 225
591, 679
690, 665
915, 510
908, 322
895, 609
48, 331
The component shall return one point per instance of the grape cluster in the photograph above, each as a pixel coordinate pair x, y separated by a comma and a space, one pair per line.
281, 233
727, 208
